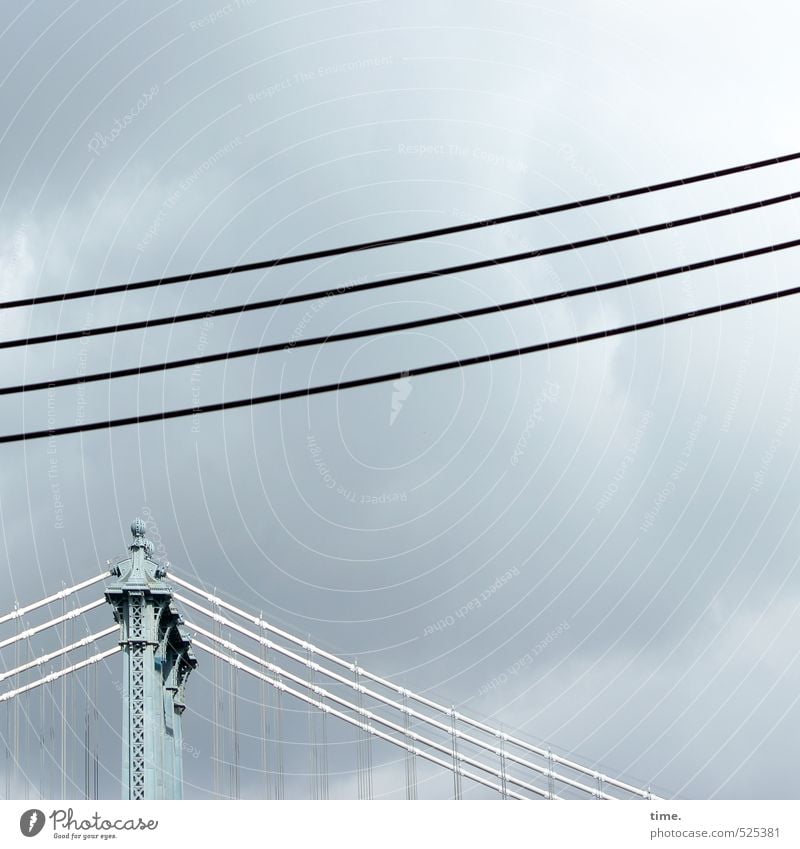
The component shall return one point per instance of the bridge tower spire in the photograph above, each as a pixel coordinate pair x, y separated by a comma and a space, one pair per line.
157, 661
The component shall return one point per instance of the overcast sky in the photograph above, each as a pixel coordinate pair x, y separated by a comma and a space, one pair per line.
627, 509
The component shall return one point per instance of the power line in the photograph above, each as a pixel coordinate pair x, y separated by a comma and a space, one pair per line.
414, 324
397, 240
405, 278
398, 375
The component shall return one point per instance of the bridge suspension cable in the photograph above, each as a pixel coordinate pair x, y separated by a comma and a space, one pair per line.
59, 743
281, 687
403, 707
61, 673
352, 710
361, 690
65, 617
396, 240
22, 611
359, 709
46, 658
401, 691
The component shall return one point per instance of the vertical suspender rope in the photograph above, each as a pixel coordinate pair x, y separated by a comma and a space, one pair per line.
264, 717
28, 722
15, 731
229, 733
63, 763
279, 739
364, 741
407, 735
51, 707
41, 741
73, 739
411, 762
25, 743
313, 766
368, 758
359, 737
235, 723
86, 735
222, 702
324, 749
215, 753
96, 749
228, 745
214, 749
456, 767
503, 767
7, 770
272, 736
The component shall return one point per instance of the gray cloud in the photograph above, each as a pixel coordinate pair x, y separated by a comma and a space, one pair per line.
278, 128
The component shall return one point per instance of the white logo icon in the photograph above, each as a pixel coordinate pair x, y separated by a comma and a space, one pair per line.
401, 389
31, 822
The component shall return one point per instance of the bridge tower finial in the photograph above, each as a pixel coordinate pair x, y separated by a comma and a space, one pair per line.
138, 529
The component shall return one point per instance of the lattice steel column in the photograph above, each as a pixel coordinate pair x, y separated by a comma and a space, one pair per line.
157, 660
136, 648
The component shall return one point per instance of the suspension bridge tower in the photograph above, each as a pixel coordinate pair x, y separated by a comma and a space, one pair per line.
157, 661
